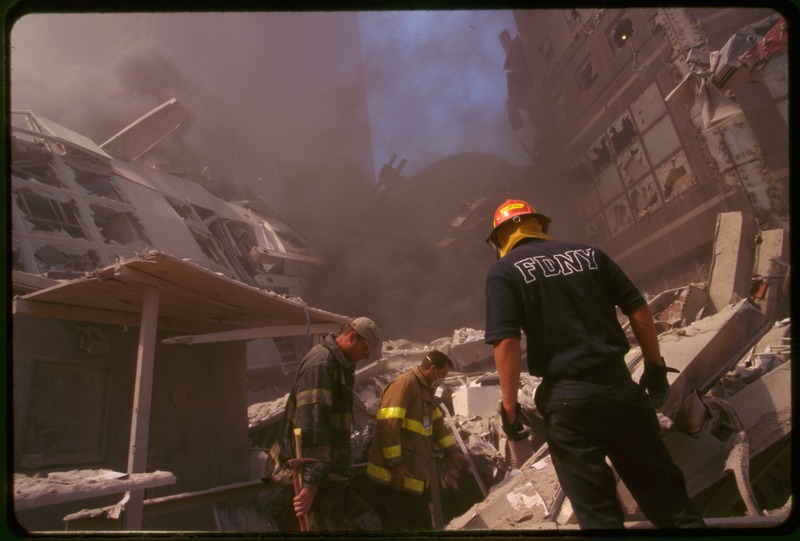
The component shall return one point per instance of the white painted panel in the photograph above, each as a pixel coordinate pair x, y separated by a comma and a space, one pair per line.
648, 107
661, 140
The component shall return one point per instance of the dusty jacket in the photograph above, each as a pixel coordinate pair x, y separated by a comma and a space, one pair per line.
408, 425
321, 404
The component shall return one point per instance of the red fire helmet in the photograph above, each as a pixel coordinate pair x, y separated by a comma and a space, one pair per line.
514, 209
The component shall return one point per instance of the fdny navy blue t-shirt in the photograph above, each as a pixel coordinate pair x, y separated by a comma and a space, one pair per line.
563, 295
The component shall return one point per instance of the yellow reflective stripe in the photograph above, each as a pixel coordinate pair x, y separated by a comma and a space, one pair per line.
416, 426
391, 413
314, 396
414, 485
376, 472
382, 474
437, 413
446, 441
393, 451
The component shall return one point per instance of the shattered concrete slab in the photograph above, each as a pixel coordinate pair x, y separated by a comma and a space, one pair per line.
35, 491
765, 410
519, 502
725, 346
707, 349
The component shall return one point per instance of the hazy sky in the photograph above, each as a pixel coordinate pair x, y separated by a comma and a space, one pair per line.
266, 88
302, 109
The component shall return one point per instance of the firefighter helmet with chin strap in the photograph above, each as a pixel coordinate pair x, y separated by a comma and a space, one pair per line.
514, 210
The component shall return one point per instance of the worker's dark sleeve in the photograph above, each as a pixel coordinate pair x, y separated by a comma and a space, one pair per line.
314, 415
505, 313
624, 293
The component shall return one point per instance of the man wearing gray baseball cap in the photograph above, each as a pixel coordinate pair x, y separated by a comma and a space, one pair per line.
320, 405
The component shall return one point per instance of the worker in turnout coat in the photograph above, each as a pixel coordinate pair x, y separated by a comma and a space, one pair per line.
321, 405
564, 296
408, 425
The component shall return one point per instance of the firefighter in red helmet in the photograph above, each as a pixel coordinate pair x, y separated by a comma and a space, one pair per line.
564, 295
515, 211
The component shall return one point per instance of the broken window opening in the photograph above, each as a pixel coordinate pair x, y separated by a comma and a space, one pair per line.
210, 247
97, 184
675, 176
242, 234
121, 227
599, 155
586, 75
675, 182
619, 215
203, 213
47, 214
29, 162
645, 198
184, 210
64, 259
236, 240
621, 32
633, 164
622, 134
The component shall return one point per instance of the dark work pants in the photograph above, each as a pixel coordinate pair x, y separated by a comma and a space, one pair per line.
329, 512
587, 422
400, 510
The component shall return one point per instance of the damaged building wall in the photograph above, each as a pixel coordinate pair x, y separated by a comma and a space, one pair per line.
647, 178
75, 207
72, 401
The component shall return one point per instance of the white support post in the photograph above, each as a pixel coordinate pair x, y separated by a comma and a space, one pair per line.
142, 398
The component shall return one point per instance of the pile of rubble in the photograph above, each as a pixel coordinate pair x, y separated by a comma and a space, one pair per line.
727, 420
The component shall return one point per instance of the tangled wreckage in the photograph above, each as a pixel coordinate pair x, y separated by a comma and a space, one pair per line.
727, 422
142, 409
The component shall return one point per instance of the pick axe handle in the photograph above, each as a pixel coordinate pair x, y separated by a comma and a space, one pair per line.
461, 444
298, 474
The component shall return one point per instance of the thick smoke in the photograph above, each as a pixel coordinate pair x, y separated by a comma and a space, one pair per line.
292, 107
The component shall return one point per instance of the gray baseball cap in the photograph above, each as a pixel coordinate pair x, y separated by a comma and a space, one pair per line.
368, 330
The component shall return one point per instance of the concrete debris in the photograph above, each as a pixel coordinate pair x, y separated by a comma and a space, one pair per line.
704, 457
36, 491
727, 423
719, 356
265, 412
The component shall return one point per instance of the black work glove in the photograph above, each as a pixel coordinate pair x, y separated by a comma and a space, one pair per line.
654, 383
515, 431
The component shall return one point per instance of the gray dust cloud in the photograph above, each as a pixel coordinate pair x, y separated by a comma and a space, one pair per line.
302, 110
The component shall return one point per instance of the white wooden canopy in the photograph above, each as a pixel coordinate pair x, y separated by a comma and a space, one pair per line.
157, 291
192, 299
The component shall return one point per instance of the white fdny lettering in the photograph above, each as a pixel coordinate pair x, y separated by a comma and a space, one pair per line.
566, 263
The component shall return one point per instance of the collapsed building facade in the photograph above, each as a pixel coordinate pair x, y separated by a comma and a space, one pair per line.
102, 246
111, 258
649, 122
656, 121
